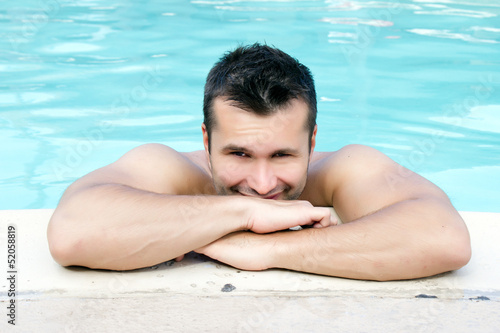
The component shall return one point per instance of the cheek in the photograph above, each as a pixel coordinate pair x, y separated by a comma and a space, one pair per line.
292, 174
228, 171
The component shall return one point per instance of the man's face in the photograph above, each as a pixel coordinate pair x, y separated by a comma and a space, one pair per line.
262, 156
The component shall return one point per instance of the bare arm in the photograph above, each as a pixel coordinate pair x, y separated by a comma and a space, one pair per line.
398, 226
143, 210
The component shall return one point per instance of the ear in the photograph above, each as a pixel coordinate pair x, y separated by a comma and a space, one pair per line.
205, 143
205, 136
313, 140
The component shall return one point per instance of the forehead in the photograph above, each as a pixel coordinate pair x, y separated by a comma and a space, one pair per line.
239, 127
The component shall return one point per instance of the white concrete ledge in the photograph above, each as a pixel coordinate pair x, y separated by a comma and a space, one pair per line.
200, 295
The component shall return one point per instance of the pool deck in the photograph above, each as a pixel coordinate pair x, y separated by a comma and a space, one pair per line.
200, 295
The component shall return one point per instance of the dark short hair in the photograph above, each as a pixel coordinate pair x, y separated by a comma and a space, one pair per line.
259, 79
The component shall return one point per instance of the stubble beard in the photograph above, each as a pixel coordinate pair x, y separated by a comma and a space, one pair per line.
286, 191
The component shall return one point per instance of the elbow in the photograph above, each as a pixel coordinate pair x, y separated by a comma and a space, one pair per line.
458, 252
70, 245
453, 251
444, 255
61, 241
452, 245
59, 252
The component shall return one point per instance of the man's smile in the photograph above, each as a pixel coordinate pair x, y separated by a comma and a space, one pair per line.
274, 196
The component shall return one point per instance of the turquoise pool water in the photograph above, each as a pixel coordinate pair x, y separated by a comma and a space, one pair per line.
82, 82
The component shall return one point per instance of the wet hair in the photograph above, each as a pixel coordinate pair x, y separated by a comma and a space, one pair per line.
259, 79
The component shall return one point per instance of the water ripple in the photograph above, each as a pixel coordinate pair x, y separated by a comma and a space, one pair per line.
356, 21
152, 121
481, 118
69, 67
445, 33
62, 48
485, 3
457, 12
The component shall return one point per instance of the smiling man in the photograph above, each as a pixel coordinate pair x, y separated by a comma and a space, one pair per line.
258, 177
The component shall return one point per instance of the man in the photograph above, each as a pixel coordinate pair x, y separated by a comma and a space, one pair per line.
258, 177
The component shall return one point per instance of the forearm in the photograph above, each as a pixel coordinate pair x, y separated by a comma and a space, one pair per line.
114, 226
410, 239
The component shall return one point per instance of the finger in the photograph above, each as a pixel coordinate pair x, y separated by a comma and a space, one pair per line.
325, 223
318, 224
179, 258
334, 216
326, 218
329, 218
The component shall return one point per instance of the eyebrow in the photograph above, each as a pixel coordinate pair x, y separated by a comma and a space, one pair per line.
230, 147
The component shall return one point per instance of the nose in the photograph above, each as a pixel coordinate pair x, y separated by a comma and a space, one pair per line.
262, 178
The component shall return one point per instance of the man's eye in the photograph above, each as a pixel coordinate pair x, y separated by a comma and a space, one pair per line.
239, 154
281, 155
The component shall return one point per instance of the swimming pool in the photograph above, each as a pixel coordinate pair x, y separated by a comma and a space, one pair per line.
82, 82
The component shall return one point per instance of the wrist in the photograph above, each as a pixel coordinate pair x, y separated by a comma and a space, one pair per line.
240, 209
288, 249
278, 249
268, 249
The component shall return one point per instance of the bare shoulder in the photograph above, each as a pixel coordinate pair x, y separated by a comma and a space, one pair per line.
167, 170
160, 156
332, 172
198, 158
351, 159
362, 164
358, 180
154, 168
326, 170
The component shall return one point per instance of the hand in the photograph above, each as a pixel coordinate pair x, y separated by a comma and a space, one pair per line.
274, 215
244, 250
